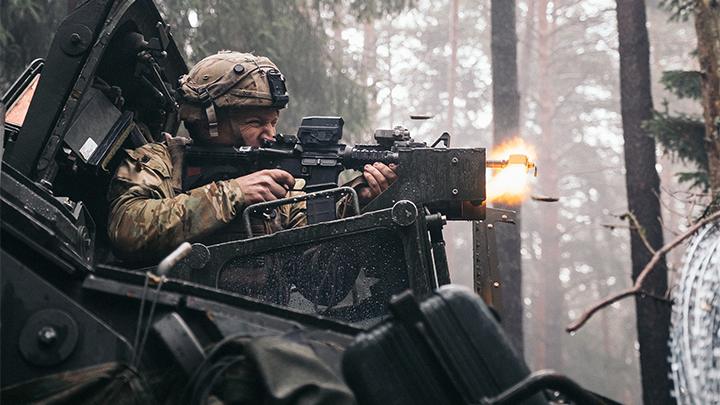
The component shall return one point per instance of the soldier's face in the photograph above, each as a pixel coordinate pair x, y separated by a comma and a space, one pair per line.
257, 124
253, 124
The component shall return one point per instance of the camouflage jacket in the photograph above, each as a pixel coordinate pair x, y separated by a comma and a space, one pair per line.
148, 218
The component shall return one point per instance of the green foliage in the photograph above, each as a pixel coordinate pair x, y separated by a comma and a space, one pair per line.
26, 31
682, 137
680, 10
321, 78
684, 84
696, 179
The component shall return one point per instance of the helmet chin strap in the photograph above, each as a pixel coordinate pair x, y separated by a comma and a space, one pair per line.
209, 105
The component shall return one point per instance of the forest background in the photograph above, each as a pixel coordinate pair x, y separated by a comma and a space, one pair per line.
375, 63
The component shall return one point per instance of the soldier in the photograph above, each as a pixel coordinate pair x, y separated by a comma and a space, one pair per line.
231, 99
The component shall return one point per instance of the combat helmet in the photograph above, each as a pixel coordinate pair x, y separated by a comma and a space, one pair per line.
229, 79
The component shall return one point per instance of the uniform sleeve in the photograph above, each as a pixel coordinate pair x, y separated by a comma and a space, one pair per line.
294, 215
344, 207
147, 220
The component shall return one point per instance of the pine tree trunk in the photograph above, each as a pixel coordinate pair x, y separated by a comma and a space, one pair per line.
707, 18
643, 189
506, 126
525, 56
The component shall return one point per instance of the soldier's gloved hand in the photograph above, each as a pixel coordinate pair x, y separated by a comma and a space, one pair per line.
176, 140
379, 177
265, 185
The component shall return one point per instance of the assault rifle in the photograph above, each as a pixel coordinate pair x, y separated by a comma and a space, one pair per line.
313, 155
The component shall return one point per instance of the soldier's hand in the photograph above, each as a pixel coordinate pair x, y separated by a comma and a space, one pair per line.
265, 185
379, 177
176, 140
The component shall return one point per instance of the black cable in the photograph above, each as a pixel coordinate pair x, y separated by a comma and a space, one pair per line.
217, 354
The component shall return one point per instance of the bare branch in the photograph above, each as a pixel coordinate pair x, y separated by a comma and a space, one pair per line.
635, 224
675, 193
638, 287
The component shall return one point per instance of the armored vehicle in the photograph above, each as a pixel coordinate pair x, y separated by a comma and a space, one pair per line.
78, 325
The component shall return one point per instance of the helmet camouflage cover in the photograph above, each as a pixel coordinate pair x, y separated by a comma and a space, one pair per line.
230, 79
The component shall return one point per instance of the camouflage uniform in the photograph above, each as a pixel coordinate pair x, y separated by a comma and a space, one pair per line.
148, 216
148, 219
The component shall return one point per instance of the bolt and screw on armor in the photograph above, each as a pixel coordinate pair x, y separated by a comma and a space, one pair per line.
230, 79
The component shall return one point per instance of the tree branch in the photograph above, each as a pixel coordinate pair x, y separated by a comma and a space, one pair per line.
635, 224
638, 287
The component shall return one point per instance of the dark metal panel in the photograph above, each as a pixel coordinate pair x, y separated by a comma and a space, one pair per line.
233, 308
378, 252
68, 53
143, 16
428, 175
414, 239
486, 270
64, 232
31, 309
70, 70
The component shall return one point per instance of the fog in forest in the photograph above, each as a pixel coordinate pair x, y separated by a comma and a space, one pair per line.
379, 65
576, 249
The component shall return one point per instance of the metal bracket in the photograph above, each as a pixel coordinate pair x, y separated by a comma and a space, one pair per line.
435, 223
486, 271
181, 341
